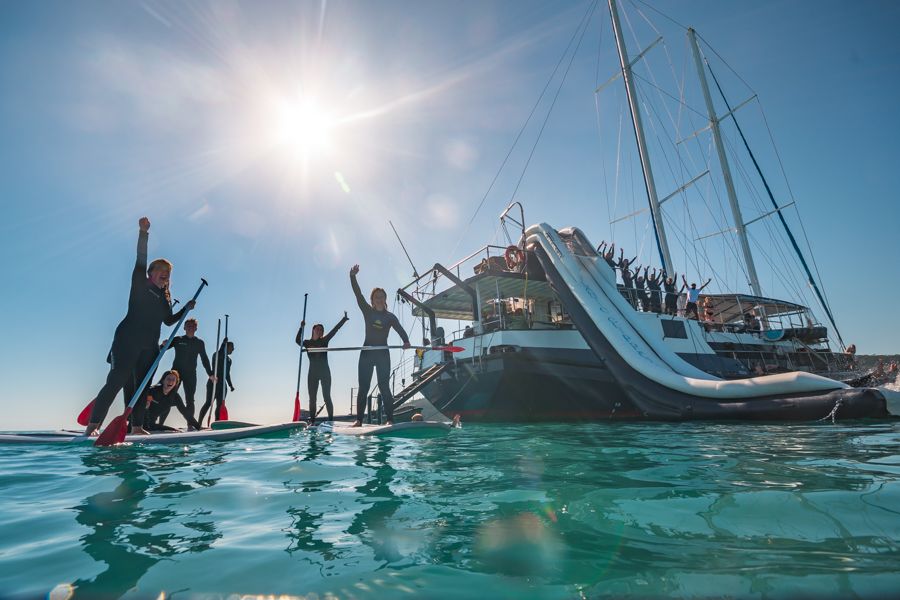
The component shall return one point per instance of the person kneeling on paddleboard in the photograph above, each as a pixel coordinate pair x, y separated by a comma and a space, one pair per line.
319, 370
135, 343
378, 325
160, 400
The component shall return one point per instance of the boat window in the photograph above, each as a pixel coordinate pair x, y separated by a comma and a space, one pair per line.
673, 329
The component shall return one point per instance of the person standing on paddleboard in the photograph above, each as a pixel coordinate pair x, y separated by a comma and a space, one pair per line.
160, 400
219, 358
319, 372
187, 348
378, 325
135, 343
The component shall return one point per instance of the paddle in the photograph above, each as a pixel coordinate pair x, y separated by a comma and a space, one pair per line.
223, 412
300, 362
115, 431
441, 348
215, 372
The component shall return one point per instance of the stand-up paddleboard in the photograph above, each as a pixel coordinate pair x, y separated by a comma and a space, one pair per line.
411, 429
181, 437
217, 425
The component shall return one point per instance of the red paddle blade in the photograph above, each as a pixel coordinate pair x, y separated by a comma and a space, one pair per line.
115, 431
84, 417
296, 408
449, 348
223, 414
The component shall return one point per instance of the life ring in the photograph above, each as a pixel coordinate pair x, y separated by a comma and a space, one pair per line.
514, 257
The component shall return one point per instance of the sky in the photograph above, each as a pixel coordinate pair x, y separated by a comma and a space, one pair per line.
270, 143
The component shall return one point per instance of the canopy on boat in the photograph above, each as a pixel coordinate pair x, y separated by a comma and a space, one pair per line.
456, 301
730, 308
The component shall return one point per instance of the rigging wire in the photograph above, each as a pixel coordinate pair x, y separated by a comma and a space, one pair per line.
584, 18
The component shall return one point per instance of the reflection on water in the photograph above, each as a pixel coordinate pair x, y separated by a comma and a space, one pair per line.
126, 533
555, 511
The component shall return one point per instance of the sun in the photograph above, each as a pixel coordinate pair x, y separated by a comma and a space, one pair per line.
303, 129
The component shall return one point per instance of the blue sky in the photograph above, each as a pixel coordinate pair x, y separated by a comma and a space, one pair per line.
177, 111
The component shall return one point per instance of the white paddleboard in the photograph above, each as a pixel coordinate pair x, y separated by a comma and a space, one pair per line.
411, 429
182, 437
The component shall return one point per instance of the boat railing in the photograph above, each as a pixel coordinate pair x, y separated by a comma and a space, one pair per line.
489, 255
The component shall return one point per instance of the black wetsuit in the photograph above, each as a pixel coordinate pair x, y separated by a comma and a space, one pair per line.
628, 280
642, 294
135, 343
157, 408
671, 297
319, 371
223, 375
378, 326
187, 349
653, 284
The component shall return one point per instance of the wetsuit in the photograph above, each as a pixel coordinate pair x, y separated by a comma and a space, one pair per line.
223, 369
642, 294
187, 349
157, 406
671, 296
653, 285
378, 326
135, 343
628, 280
319, 372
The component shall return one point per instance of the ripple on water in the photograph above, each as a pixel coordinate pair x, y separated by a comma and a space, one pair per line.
538, 511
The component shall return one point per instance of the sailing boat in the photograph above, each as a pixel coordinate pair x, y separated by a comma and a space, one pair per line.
553, 337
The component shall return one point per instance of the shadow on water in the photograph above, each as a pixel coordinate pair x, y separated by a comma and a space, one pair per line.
127, 533
371, 525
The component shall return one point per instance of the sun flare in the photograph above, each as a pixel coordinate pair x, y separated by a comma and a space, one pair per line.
303, 129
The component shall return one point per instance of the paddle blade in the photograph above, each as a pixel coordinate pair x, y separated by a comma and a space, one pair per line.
84, 417
115, 431
223, 414
450, 348
296, 407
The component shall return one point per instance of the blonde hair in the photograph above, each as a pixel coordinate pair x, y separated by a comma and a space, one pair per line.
161, 263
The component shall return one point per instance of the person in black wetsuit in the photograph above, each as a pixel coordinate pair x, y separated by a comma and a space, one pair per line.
135, 343
160, 400
654, 281
669, 285
641, 291
187, 348
216, 389
628, 281
378, 325
319, 372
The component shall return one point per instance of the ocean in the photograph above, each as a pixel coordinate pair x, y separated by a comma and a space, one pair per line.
487, 511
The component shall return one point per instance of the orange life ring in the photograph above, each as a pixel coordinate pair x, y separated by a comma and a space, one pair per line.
514, 257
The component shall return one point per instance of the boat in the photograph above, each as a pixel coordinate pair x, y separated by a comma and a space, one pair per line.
157, 438
551, 335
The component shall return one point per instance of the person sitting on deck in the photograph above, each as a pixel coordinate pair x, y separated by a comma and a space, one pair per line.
751, 322
693, 295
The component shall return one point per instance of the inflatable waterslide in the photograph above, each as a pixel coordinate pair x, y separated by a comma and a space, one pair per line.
653, 377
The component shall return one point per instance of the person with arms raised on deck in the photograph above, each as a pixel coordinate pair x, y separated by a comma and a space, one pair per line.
135, 343
693, 295
379, 323
188, 348
319, 371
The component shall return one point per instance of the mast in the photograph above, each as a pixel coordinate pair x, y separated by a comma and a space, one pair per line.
655, 211
723, 164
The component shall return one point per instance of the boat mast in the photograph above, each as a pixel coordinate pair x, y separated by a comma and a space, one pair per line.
655, 211
723, 164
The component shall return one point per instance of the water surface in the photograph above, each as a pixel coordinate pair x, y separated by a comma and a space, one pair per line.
518, 511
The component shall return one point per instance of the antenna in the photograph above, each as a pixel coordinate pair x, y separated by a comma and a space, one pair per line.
415, 271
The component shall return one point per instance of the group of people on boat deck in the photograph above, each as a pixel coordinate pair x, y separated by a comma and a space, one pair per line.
655, 291
136, 351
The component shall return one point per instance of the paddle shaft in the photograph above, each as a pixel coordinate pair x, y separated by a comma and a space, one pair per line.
225, 367
302, 327
215, 368
146, 380
447, 348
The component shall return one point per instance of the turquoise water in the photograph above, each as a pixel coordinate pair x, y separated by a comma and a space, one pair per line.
524, 511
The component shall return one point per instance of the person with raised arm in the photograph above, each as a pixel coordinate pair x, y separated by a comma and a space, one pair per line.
654, 282
135, 343
379, 323
319, 371
671, 299
693, 295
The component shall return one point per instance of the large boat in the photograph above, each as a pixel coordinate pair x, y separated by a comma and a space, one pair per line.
549, 335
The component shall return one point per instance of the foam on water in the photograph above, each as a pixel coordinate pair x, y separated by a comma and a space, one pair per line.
538, 511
